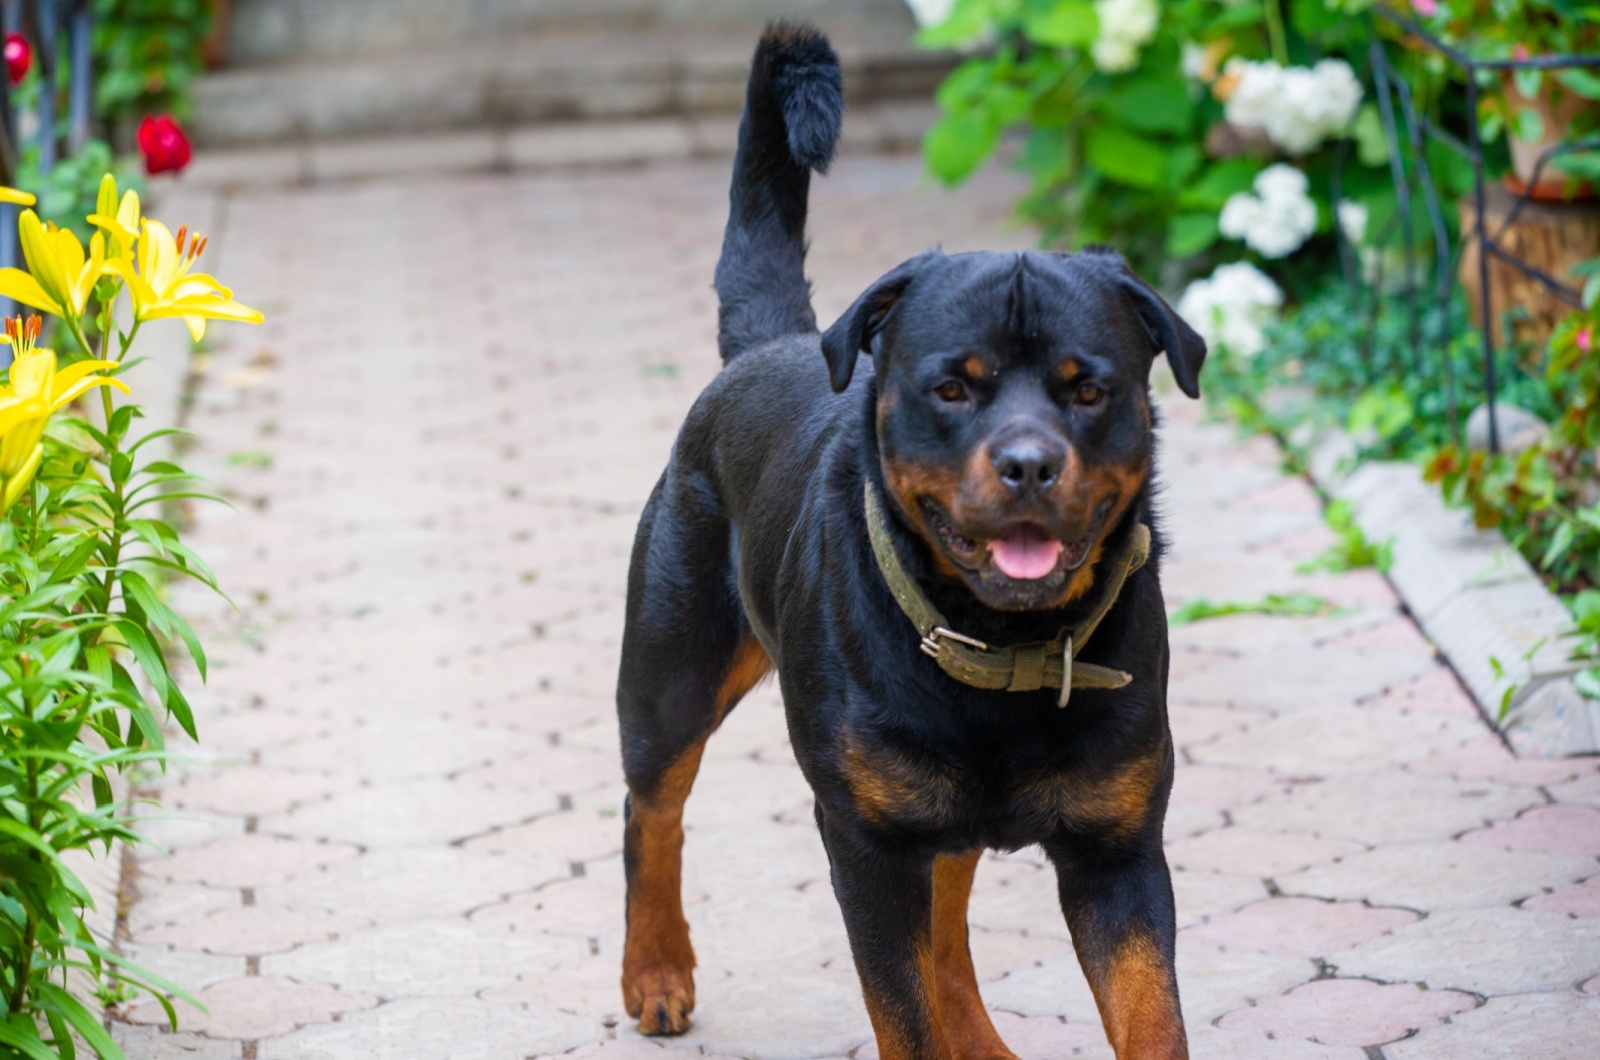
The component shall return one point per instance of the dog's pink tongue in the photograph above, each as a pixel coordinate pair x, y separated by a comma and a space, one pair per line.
1025, 552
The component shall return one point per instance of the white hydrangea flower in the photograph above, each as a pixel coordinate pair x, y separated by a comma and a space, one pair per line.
1353, 221
1277, 218
1299, 107
930, 12
1232, 307
1125, 27
1114, 55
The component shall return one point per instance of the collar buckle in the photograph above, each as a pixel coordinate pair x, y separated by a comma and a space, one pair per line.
930, 643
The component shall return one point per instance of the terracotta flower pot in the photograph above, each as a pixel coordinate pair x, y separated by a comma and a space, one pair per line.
1556, 118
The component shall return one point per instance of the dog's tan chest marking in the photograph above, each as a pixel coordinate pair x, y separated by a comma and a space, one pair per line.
1115, 803
889, 786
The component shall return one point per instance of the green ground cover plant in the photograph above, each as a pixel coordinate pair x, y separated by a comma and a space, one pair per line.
85, 630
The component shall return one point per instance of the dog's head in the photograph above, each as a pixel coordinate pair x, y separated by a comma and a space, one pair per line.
1013, 409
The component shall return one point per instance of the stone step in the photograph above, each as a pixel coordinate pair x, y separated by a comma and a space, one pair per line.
870, 129
268, 31
557, 75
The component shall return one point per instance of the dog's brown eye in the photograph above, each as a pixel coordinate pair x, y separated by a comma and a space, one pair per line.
1089, 394
951, 390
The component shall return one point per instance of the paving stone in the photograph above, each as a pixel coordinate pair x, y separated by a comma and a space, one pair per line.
572, 836
632, 1049
1584, 790
1245, 634
584, 907
1297, 677
158, 1043
258, 1007
1195, 723
401, 883
1437, 691
396, 751
158, 902
561, 771
1299, 927
193, 968
1350, 1012
1317, 741
1363, 807
1487, 758
1398, 635
461, 957
1217, 1043
249, 860
1573, 899
1546, 830
1223, 787
1037, 1038
258, 730
437, 1028
769, 925
590, 986
170, 831
780, 1015
409, 813
253, 930
1206, 894
1212, 982
1565, 1026
252, 791
1483, 951
1242, 851
1438, 876
996, 954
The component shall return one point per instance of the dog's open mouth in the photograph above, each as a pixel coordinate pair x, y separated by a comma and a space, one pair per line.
1024, 551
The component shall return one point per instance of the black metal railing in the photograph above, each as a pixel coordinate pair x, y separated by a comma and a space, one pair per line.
59, 32
1408, 130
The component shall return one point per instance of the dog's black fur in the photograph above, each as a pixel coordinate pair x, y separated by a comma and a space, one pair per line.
1004, 389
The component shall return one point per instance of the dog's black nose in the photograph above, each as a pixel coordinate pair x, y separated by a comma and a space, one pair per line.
1029, 465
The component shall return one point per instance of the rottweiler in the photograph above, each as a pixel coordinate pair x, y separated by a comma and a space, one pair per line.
950, 560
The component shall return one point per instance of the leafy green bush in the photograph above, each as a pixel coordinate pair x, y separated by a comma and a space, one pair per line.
147, 56
1135, 123
84, 550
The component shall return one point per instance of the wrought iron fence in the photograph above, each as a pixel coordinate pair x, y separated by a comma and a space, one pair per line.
60, 35
1407, 130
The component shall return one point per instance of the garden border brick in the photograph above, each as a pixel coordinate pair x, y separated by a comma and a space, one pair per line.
1474, 596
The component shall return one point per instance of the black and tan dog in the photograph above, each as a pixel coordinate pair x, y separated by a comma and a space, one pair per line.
921, 551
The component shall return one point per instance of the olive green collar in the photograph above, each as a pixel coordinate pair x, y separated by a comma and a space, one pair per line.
1023, 667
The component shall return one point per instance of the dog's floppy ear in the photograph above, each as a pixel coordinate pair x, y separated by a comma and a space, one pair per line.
1185, 349
852, 333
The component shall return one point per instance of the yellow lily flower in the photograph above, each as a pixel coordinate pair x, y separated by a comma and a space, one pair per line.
163, 285
36, 390
16, 196
59, 278
118, 219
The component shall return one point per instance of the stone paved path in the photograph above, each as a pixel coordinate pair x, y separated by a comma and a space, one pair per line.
400, 837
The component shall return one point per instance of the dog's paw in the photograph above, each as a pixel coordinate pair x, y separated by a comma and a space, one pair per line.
661, 1000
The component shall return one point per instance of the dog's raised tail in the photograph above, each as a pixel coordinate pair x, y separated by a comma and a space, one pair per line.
792, 112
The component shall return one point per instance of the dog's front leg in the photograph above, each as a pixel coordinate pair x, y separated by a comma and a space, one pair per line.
886, 895
1118, 905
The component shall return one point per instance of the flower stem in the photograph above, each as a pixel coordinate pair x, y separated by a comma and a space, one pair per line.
114, 545
30, 928
1275, 33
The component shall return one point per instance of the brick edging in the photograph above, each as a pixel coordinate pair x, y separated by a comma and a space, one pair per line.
1475, 596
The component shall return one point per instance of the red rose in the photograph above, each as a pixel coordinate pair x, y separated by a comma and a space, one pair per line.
19, 57
164, 144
